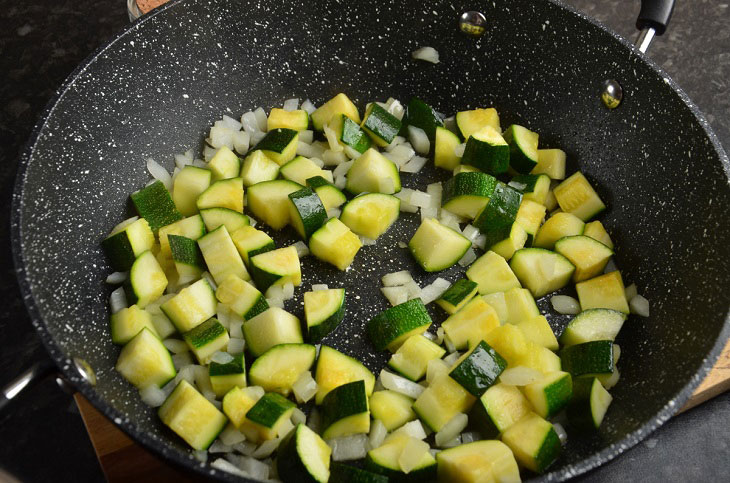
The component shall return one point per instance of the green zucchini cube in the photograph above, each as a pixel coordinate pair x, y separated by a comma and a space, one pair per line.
588, 359
126, 242
127, 323
304, 456
241, 297
271, 327
306, 212
589, 403
381, 125
498, 408
280, 145
466, 194
550, 394
395, 325
345, 411
207, 339
534, 442
487, 150
192, 416
192, 306
154, 204
457, 296
224, 377
144, 361
478, 369
269, 413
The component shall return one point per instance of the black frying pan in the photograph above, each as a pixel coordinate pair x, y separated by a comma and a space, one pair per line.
155, 89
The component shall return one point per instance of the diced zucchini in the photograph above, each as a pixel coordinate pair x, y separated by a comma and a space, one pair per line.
596, 231
550, 162
478, 369
393, 409
522, 148
550, 202
423, 116
241, 297
475, 120
272, 327
538, 330
515, 241
603, 292
276, 267
340, 104
323, 310
335, 369
345, 411
520, 305
496, 219
381, 125
539, 358
466, 194
144, 361
384, 460
236, 403
498, 408
335, 243
437, 247
458, 295
530, 217
412, 357
370, 215
306, 212
250, 242
206, 339
373, 173
221, 255
304, 456
257, 168
127, 323
444, 155
192, 417
215, 217
492, 274
541, 271
550, 394
465, 168
588, 359
189, 262
556, 227
224, 377
443, 399
575, 195
277, 369
589, 256
224, 164
390, 328
154, 204
499, 304
269, 201
191, 227
189, 183
330, 195
589, 403
593, 324
534, 442
487, 150
298, 120
279, 145
471, 324
146, 281
192, 306
341, 473
479, 461
225, 193
509, 342
350, 133
534, 187
126, 242
268, 414
300, 169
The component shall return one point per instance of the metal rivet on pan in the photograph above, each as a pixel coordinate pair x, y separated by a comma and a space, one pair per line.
85, 370
612, 93
473, 23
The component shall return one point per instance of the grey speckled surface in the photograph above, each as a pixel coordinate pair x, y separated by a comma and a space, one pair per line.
46, 43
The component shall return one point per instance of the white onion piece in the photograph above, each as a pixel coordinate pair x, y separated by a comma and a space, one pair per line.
433, 291
176, 346
116, 278
349, 448
231, 435
275, 292
252, 221
275, 302
440, 335
220, 447
459, 150
414, 291
342, 168
326, 173
152, 396
266, 448
471, 232
562, 434
396, 278
261, 119
335, 158
308, 150
181, 360
241, 141
221, 357
302, 249
414, 165
236, 345
631, 291
400, 154
305, 387
398, 140
366, 241
429, 54
256, 469
159, 173
564, 304
236, 330
419, 140
221, 136
469, 437
420, 199
351, 152
245, 448
395, 295
306, 136
298, 416
285, 427
639, 306
517, 185
412, 454
199, 163
413, 429
453, 356
452, 429
332, 139
288, 291
520, 376
224, 465
429, 335
450, 124
256, 137
480, 242
249, 123
435, 190
334, 212
400, 384
118, 300
428, 212
181, 161
340, 182
308, 106
435, 368
291, 104
377, 434
223, 314
394, 107
468, 258
319, 286
402, 244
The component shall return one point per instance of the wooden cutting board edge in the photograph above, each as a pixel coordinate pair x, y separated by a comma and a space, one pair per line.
123, 460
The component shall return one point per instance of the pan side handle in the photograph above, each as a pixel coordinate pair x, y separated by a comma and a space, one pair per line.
653, 19
32, 376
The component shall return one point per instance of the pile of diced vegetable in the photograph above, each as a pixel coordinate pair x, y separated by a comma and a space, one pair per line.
479, 396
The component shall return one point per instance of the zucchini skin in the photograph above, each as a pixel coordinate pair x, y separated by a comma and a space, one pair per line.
396, 321
421, 115
276, 140
289, 464
480, 370
318, 332
496, 219
155, 205
594, 357
343, 401
341, 473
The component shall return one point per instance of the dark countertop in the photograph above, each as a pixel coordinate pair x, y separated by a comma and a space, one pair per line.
42, 436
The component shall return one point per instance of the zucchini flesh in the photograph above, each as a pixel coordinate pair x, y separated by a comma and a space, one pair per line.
279, 145
224, 377
340, 104
457, 296
224, 164
487, 150
515, 241
276, 267
496, 219
475, 120
538, 330
471, 324
215, 217
478, 461
241, 297
373, 173
411, 359
269, 201
384, 460
257, 168
225, 193
304, 456
268, 414
236, 403
437, 247
206, 339
270, 328
520, 305
589, 256
189, 183
250, 242
530, 217
126, 242
144, 361
395, 325
550, 394
323, 310
603, 292
589, 358
492, 274
335, 243
501, 406
345, 411
522, 148
444, 155
127, 323
466, 194
192, 416
576, 195
298, 120
335, 369
550, 162
300, 169
534, 442
556, 227
154, 204
391, 408
191, 227
370, 215
221, 255
330, 195
146, 282
541, 271
509, 343
277, 369
192, 306
589, 403
443, 399
381, 125
593, 324
534, 187
596, 231
539, 358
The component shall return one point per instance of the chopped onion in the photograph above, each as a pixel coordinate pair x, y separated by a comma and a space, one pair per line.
231, 436
275, 302
414, 165
631, 291
182, 160
414, 291
413, 429
314, 420
236, 345
118, 300
366, 241
639, 306
435, 190
291, 104
564, 304
309, 150
400, 384
335, 158
401, 154
236, 330
471, 232
241, 141
453, 356
275, 292
208, 153
223, 314
408, 208
452, 429
334, 212
288, 291
326, 173
468, 258
319, 286
219, 447
308, 106
305, 387
152, 395
517, 185
221, 357
428, 212
352, 153
256, 137
176, 346
220, 136
402, 244
520, 376
332, 139
199, 163
420, 199
412, 454
439, 335
342, 168
562, 434
245, 447
348, 448
397, 278
116, 278
285, 427
429, 335
450, 124
181, 360
252, 221
394, 107
469, 437
159, 173
224, 465
266, 448
302, 249
459, 150
433, 291
480, 242
306, 136
451, 220
298, 416
340, 182
429, 54
395, 295
249, 123
261, 119
453, 443
419, 140
377, 434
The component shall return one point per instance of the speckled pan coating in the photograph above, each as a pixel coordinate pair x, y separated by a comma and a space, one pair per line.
155, 89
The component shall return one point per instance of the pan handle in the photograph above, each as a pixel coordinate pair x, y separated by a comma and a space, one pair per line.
653, 19
35, 374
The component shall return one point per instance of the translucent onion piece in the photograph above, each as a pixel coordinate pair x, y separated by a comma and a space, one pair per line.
400, 384
459, 150
332, 139
221, 357
342, 168
349, 448
249, 123
396, 278
118, 300
564, 304
562, 434
452, 429
236, 345
639, 306
231, 436
419, 140
241, 142
319, 286
291, 104
414, 165
305, 387
298, 416
334, 158
308, 106
413, 429
468, 258
631, 291
152, 396
159, 173
223, 465
176, 346
377, 434
261, 119
429, 54
395, 295
116, 278
302, 249
219, 447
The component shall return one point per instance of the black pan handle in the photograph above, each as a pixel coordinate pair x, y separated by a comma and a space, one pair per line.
35, 374
652, 21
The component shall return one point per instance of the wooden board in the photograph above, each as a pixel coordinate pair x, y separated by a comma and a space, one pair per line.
122, 460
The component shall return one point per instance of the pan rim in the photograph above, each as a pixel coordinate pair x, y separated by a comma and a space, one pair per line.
153, 445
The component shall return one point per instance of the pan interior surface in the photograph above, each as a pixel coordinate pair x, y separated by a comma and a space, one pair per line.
156, 89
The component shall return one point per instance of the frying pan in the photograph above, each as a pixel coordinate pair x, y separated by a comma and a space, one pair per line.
156, 87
